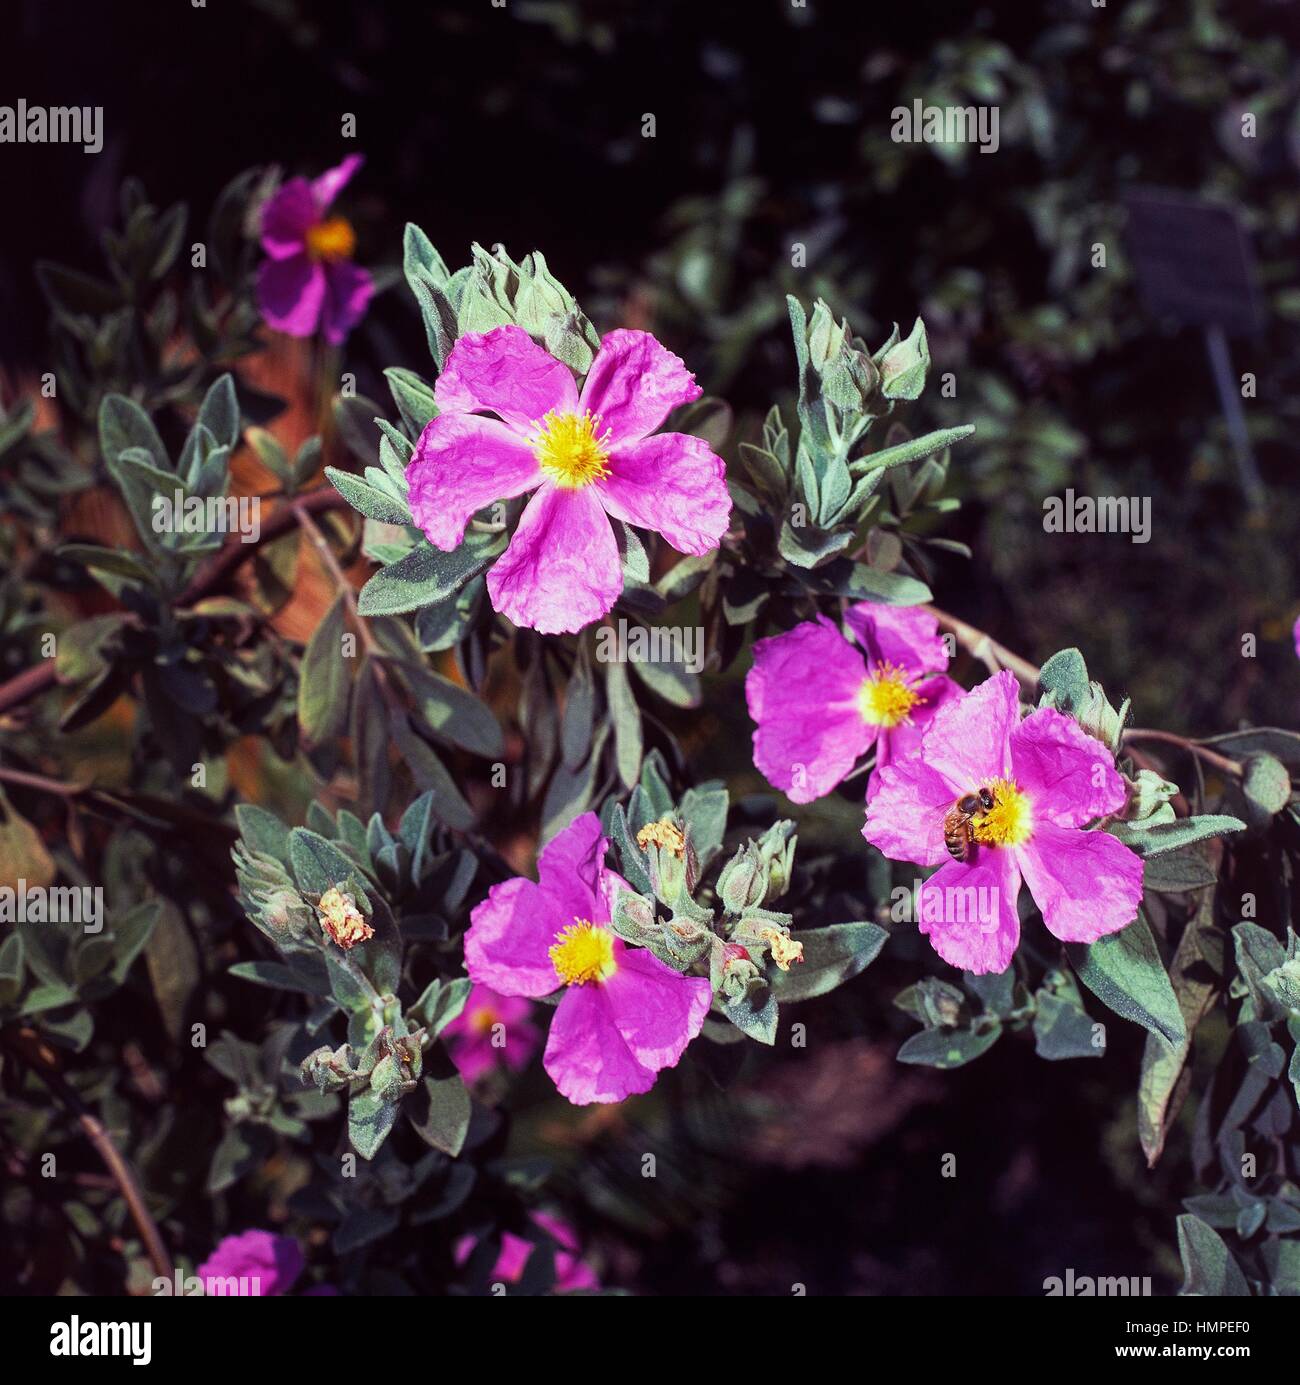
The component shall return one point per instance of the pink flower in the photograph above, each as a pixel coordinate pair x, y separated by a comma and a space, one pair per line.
820, 705
570, 1272
263, 1263
477, 1045
1047, 778
586, 456
1295, 635
625, 1014
309, 281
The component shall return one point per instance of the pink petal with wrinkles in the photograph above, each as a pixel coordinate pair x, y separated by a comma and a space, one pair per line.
510, 935
348, 290
802, 693
586, 1056
330, 183
968, 742
907, 636
505, 372
968, 911
570, 868
1087, 884
286, 218
634, 383
461, 464
673, 484
657, 1010
1070, 776
562, 570
905, 813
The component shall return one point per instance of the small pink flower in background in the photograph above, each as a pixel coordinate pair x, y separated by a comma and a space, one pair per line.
1295, 635
570, 1272
275, 1262
473, 1034
587, 457
1048, 778
309, 282
625, 1015
820, 703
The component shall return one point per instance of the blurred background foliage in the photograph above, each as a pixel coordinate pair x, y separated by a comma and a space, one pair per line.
523, 125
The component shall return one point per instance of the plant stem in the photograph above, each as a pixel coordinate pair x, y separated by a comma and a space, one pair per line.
986, 649
30, 1048
1201, 752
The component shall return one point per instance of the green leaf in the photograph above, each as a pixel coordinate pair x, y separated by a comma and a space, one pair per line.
1208, 1264
324, 680
124, 424
454, 713
1065, 677
1062, 1029
831, 956
671, 681
1168, 836
262, 832
626, 718
372, 502
442, 1119
429, 772
759, 1022
1266, 783
413, 396
278, 976
913, 450
424, 577
1175, 872
370, 1118
865, 583
579, 713
948, 1048
318, 865
1124, 971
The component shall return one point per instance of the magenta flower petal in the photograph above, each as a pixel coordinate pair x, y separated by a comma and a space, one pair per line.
332, 182
634, 383
802, 694
291, 294
904, 740
570, 1272
569, 868
586, 1056
1069, 776
673, 484
906, 636
506, 372
507, 946
348, 289
905, 813
461, 464
469, 1036
286, 218
274, 1261
562, 569
968, 739
657, 1010
1087, 884
968, 911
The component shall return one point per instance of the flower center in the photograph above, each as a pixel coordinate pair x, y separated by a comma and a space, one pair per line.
482, 1020
583, 952
885, 698
1010, 821
569, 451
330, 240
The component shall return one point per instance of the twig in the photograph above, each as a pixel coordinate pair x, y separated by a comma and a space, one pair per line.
1201, 752
28, 1046
984, 647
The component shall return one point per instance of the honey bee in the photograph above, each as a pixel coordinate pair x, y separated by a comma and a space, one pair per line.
959, 821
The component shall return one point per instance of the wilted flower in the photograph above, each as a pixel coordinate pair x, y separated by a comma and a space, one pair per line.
588, 457
625, 1014
473, 1035
341, 920
820, 705
309, 282
1048, 778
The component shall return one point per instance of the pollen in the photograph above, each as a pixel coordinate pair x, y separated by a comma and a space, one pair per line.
1010, 821
331, 240
569, 450
663, 833
583, 952
886, 697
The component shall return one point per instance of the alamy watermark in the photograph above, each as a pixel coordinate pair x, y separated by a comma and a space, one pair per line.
925, 902
1103, 1286
212, 514
651, 644
1103, 514
24, 124
922, 124
78, 904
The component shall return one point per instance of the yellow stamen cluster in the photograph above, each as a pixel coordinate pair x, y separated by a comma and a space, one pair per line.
331, 240
1010, 821
481, 1021
886, 697
663, 834
341, 921
583, 952
569, 451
